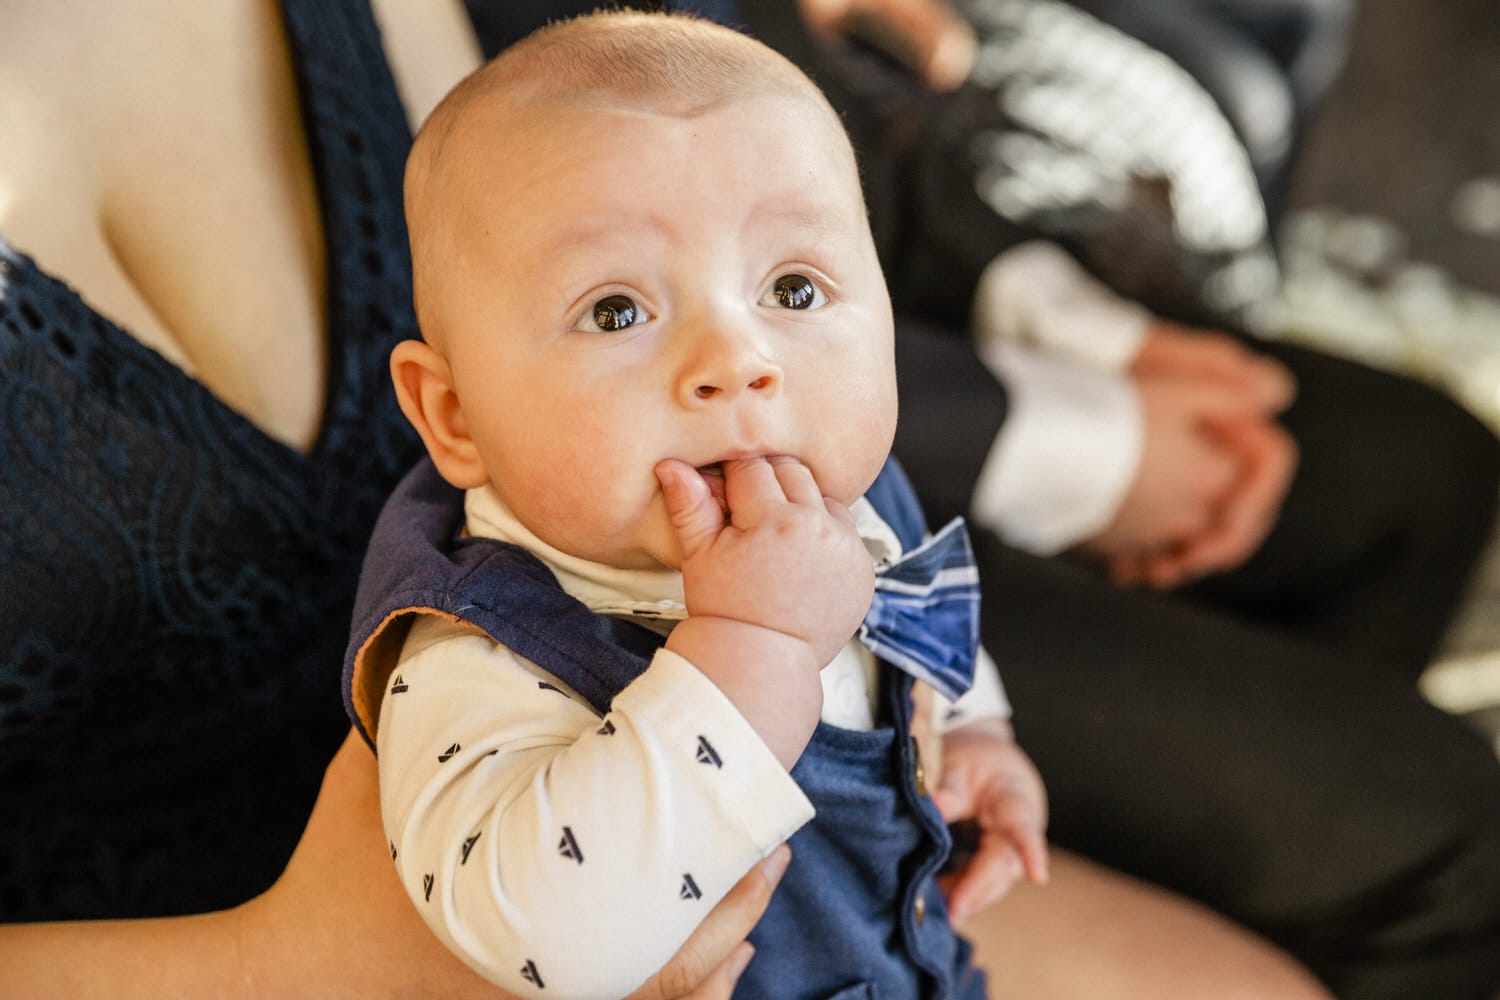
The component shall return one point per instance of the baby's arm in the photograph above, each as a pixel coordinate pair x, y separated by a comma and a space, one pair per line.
773, 592
539, 840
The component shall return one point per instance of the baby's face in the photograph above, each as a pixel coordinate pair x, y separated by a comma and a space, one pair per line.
638, 286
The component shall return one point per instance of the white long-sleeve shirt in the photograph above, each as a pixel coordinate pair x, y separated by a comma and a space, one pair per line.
1071, 444
542, 842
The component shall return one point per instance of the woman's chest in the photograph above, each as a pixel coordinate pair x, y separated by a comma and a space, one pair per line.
165, 174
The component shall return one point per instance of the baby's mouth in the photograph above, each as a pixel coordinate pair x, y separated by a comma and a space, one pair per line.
713, 475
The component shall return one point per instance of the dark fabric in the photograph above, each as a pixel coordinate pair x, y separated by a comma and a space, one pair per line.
877, 840
936, 167
176, 585
1305, 793
951, 408
1268, 63
1393, 502
1259, 742
501, 23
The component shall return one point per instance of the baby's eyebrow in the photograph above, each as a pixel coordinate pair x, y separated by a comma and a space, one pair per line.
583, 236
820, 218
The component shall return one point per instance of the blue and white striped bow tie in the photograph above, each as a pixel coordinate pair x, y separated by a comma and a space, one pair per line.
925, 615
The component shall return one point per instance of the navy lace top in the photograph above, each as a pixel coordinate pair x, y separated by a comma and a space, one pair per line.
175, 586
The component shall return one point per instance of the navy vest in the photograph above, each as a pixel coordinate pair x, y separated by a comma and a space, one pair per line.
858, 915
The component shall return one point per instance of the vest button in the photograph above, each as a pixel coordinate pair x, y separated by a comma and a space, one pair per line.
919, 909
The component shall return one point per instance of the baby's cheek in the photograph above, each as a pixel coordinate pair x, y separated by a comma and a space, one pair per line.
868, 429
567, 511
624, 523
862, 457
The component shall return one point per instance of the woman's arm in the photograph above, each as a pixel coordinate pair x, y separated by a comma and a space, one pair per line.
336, 925
184, 956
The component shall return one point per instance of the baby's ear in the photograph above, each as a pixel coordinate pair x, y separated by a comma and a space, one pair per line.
424, 388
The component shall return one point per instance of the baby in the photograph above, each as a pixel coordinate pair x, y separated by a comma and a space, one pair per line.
659, 602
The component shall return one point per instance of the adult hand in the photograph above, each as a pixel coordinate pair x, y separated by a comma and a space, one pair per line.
1185, 472
1268, 461
338, 923
931, 37
1212, 358
709, 964
1215, 465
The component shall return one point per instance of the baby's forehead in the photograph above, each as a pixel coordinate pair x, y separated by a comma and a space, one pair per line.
569, 170
665, 64
521, 130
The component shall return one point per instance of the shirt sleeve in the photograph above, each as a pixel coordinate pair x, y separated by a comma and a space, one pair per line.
551, 848
1037, 295
1066, 455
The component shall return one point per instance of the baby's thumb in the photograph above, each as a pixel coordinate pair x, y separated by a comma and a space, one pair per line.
691, 506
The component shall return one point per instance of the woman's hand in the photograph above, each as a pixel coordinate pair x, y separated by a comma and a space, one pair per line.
708, 965
1216, 464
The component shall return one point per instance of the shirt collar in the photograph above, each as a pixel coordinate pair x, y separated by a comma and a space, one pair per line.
648, 594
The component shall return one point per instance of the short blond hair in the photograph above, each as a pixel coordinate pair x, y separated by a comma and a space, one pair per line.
678, 59
671, 62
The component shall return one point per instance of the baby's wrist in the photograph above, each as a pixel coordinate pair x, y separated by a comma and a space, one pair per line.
771, 677
714, 642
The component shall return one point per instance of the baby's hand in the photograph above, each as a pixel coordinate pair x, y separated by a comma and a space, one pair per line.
774, 589
786, 558
988, 779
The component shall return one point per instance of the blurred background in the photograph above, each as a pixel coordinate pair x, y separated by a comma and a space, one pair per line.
1392, 246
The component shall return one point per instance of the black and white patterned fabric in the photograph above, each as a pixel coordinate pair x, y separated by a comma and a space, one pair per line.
1109, 146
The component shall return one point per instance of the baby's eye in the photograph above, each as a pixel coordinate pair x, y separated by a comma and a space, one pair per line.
612, 313
796, 291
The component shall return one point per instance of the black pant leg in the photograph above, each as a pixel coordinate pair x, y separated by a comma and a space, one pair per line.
1303, 794
1393, 503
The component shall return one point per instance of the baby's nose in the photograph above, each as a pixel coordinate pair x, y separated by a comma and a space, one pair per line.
724, 361
759, 383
